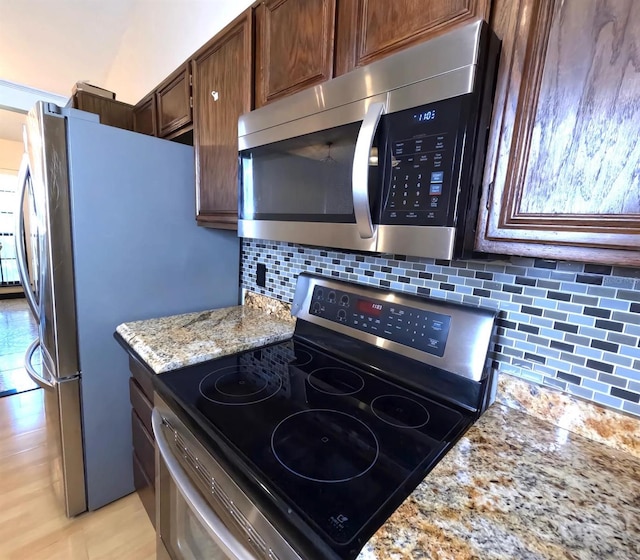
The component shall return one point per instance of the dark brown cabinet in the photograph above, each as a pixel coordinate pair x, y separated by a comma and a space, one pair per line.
561, 180
111, 112
294, 46
166, 111
368, 30
222, 89
144, 116
173, 99
143, 457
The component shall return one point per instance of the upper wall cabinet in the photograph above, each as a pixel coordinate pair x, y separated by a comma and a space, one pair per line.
222, 89
294, 46
144, 116
166, 111
562, 179
174, 102
368, 30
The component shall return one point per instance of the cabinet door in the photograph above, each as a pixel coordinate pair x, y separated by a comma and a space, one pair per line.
221, 93
294, 46
112, 112
144, 116
174, 102
565, 147
368, 30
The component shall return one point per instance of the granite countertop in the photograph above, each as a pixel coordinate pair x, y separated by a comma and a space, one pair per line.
513, 487
169, 343
516, 487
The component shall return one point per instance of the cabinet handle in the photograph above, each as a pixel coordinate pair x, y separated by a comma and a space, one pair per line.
489, 195
215, 95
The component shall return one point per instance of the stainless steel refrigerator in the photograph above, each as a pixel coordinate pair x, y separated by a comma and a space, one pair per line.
117, 241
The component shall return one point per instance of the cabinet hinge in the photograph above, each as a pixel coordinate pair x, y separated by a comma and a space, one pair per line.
489, 195
190, 79
191, 101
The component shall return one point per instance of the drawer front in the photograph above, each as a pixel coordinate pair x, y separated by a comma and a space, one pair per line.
143, 447
145, 489
143, 376
141, 404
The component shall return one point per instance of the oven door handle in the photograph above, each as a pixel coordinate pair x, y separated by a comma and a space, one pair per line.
360, 171
197, 504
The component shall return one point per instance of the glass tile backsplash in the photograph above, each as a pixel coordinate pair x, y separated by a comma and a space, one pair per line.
573, 326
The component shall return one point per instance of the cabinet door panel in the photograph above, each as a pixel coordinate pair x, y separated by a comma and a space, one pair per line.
144, 116
294, 47
221, 93
565, 181
174, 102
371, 29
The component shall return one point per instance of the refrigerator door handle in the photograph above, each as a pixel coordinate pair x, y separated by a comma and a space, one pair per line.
33, 374
21, 250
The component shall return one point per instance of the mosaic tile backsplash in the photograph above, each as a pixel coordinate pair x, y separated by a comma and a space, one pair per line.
572, 326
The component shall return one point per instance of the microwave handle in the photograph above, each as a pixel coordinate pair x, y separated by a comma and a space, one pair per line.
360, 171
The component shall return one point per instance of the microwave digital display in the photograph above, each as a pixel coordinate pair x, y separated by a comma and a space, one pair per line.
424, 116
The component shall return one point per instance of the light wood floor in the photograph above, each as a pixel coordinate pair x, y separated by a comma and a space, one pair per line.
32, 523
18, 329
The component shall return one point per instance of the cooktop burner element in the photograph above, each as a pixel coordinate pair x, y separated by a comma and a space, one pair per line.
336, 381
238, 385
399, 411
336, 426
319, 445
302, 358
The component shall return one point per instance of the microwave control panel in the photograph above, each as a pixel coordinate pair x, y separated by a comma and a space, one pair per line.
417, 328
423, 183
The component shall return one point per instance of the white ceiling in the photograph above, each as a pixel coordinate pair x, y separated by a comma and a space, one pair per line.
131, 45
51, 45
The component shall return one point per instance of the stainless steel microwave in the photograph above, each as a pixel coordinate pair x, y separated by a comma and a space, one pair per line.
387, 158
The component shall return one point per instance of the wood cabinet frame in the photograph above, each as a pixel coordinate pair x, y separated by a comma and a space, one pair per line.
177, 84
503, 226
217, 171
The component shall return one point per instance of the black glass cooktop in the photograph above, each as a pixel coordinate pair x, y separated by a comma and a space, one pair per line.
340, 444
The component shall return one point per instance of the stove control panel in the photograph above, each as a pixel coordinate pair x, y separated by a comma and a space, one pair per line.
417, 328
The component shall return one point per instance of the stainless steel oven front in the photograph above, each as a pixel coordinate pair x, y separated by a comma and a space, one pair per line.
200, 511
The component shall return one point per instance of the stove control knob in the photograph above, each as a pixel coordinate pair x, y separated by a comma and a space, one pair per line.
315, 308
331, 297
342, 316
344, 300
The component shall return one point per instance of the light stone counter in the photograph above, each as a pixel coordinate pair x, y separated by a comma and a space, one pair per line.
169, 343
514, 487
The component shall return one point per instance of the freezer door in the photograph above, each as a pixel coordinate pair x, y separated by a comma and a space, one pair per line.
48, 164
64, 435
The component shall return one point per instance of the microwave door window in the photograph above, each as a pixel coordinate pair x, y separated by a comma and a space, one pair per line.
307, 178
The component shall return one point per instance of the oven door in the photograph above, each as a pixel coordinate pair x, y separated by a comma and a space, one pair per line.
188, 527
322, 187
200, 511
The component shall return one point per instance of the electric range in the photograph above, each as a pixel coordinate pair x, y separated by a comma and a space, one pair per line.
330, 431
